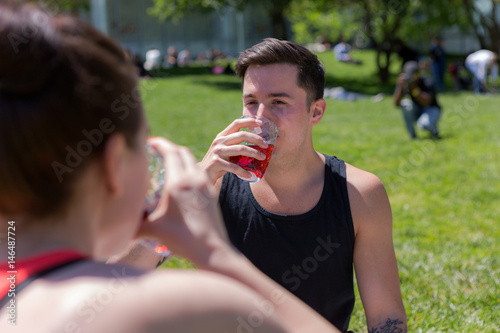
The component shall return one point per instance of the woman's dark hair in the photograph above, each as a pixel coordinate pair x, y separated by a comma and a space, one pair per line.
311, 72
64, 89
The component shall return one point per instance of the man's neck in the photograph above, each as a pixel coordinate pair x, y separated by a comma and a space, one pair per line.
295, 169
291, 189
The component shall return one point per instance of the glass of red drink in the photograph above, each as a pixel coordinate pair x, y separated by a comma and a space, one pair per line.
268, 131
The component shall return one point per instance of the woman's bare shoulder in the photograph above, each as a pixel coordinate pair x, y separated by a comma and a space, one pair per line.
121, 301
193, 301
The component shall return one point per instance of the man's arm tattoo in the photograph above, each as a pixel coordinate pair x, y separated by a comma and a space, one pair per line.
390, 326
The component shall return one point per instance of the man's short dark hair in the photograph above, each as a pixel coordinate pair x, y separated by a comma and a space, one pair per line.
311, 72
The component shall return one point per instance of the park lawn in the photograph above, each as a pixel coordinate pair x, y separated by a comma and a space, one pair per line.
444, 193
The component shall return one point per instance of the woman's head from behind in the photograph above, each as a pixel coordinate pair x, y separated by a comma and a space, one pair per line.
65, 89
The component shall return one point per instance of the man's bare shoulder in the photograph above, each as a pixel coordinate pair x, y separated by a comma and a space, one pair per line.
364, 182
367, 197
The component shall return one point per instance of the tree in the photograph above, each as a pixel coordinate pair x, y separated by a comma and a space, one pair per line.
312, 19
483, 16
377, 23
373, 22
58, 6
381, 21
276, 9
177, 9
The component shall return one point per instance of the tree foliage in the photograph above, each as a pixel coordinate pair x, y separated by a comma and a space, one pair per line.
60, 6
311, 20
416, 20
177, 9
376, 23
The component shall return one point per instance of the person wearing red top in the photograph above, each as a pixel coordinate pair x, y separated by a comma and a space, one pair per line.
73, 179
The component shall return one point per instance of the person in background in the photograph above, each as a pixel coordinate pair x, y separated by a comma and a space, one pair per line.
325, 44
170, 59
311, 216
483, 65
153, 59
422, 107
73, 180
136, 59
438, 57
184, 58
461, 76
341, 51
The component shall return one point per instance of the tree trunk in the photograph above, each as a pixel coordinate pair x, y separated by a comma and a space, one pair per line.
493, 29
482, 22
383, 59
278, 24
383, 69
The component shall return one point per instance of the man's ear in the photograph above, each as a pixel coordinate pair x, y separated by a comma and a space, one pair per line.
113, 163
317, 111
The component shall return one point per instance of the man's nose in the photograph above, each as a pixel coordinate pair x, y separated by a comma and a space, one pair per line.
263, 111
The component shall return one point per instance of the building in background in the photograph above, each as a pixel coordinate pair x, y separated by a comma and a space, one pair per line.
227, 30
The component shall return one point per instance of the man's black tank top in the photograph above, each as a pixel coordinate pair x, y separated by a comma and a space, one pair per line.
310, 254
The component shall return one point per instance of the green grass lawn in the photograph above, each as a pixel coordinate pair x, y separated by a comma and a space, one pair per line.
445, 194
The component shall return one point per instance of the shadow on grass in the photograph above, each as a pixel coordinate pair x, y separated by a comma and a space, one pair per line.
368, 86
203, 75
221, 85
181, 71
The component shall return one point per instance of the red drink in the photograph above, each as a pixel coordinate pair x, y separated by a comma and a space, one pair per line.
255, 166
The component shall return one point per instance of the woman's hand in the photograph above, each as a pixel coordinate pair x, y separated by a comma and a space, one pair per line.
187, 219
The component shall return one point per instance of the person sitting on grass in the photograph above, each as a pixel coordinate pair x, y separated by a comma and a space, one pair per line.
342, 51
312, 217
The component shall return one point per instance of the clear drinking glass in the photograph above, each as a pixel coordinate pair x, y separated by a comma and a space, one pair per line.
269, 132
156, 182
